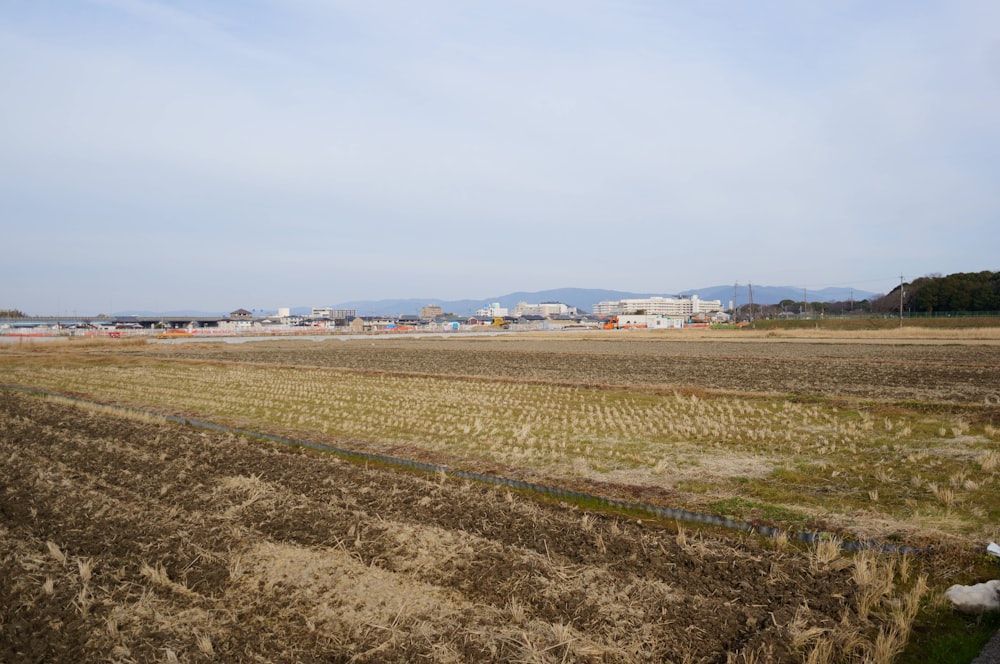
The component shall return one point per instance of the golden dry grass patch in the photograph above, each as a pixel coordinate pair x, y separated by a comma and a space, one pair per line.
682, 467
346, 593
344, 596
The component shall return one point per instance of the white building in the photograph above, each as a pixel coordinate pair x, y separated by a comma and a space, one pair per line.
232, 324
546, 309
492, 311
608, 308
678, 307
650, 322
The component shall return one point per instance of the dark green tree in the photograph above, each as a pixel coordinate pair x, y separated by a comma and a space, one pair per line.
959, 292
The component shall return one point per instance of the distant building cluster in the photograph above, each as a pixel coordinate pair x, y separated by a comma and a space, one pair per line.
652, 312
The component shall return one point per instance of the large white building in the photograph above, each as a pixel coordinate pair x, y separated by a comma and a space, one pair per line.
544, 309
678, 307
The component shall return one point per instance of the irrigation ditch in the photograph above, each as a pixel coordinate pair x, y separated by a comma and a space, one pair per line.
653, 511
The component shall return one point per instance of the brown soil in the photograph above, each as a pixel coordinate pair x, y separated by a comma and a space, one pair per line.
959, 373
125, 540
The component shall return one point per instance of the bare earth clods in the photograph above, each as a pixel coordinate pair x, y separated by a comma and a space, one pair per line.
956, 373
124, 540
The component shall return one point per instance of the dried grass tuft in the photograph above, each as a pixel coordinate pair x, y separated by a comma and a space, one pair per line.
822, 653
205, 645
888, 645
516, 611
681, 534
84, 600
55, 551
86, 567
158, 577
990, 459
824, 553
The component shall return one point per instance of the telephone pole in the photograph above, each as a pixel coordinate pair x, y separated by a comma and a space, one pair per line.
736, 288
901, 302
750, 289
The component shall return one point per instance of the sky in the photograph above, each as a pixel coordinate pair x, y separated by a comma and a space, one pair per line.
208, 156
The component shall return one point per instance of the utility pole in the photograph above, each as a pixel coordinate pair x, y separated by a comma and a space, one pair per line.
750, 289
736, 287
901, 302
805, 302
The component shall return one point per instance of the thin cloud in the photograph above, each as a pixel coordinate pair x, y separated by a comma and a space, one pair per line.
657, 146
201, 27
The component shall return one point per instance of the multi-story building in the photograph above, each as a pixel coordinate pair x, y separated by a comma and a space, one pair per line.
678, 307
608, 308
431, 311
334, 314
546, 309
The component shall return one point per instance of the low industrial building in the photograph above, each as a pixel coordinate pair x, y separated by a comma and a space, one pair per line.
643, 321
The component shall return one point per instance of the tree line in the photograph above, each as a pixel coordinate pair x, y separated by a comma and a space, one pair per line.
962, 292
954, 293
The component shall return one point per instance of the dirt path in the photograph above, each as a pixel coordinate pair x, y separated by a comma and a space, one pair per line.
124, 540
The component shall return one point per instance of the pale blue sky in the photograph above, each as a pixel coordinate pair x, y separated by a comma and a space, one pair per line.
265, 153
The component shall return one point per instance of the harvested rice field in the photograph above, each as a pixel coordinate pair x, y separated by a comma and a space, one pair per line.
133, 539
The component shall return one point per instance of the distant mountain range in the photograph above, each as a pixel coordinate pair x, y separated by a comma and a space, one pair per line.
585, 299
582, 298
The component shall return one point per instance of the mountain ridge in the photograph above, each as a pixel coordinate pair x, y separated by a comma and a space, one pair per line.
585, 298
